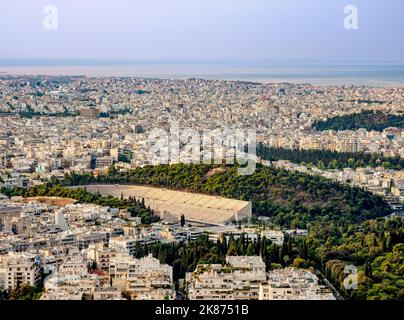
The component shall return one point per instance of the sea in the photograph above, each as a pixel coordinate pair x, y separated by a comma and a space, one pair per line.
358, 74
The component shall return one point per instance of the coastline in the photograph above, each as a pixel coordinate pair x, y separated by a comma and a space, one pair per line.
331, 75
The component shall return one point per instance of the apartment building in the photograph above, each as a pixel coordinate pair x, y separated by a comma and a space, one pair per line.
238, 279
85, 239
142, 279
398, 191
147, 278
107, 293
101, 255
124, 244
293, 284
3, 271
71, 281
22, 268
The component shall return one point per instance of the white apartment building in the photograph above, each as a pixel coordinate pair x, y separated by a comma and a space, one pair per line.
71, 281
101, 255
293, 284
74, 265
210, 282
21, 268
85, 239
398, 191
107, 293
275, 236
144, 278
3, 272
124, 244
238, 279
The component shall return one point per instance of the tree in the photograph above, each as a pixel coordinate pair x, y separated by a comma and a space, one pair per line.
112, 171
250, 249
93, 265
351, 162
299, 263
283, 252
368, 269
320, 165
386, 165
126, 295
182, 220
23, 292
232, 248
303, 250
384, 244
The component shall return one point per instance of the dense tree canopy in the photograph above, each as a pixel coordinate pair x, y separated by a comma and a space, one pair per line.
346, 225
291, 199
376, 248
23, 292
367, 119
326, 159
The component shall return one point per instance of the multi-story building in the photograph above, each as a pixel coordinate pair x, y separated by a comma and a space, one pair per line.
142, 279
293, 284
3, 272
124, 244
238, 279
71, 281
107, 293
85, 239
22, 268
101, 255
103, 162
398, 191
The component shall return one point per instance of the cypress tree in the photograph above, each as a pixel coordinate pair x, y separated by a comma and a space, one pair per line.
368, 269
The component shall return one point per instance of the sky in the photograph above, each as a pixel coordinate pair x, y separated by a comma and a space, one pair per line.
290, 30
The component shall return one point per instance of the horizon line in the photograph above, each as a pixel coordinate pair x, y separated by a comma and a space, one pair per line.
272, 61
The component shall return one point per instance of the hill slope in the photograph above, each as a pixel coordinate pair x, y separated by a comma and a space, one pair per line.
291, 199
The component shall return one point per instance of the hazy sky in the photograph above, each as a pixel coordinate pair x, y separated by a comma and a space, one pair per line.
204, 29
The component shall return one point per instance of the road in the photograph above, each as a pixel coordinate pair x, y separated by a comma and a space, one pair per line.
336, 293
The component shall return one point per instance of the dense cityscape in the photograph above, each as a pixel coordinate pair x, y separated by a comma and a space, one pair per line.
86, 214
